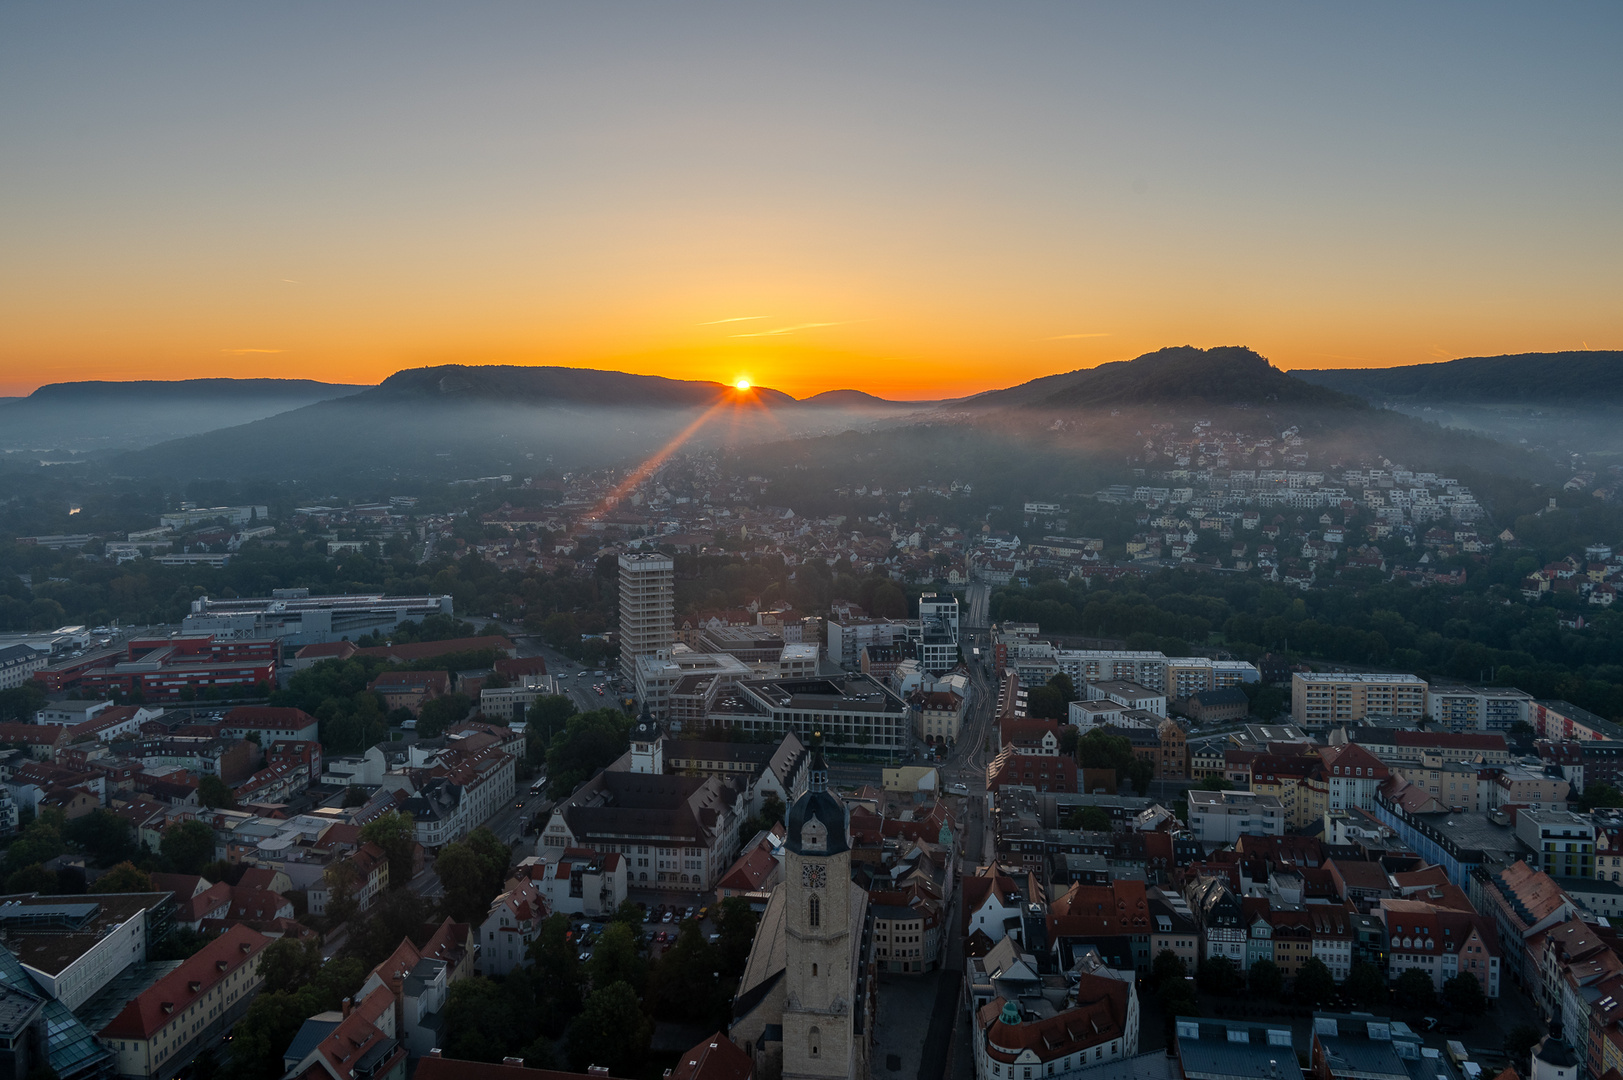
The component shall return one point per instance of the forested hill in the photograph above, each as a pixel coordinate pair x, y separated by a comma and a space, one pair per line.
1574, 379
1215, 378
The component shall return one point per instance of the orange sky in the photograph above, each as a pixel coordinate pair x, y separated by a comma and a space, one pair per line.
917, 202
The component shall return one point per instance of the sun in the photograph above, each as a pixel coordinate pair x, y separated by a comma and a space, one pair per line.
741, 384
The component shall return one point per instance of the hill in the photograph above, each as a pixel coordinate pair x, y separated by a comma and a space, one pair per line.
1225, 376
1574, 379
466, 421
83, 416
558, 386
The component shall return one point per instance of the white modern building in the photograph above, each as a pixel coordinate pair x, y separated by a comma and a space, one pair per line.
1222, 817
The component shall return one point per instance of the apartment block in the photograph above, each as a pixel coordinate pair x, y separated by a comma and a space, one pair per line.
1350, 698
1479, 708
1222, 817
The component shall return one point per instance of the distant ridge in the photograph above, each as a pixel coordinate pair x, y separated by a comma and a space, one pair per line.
859, 399
115, 415
1222, 376
1558, 378
512, 384
147, 390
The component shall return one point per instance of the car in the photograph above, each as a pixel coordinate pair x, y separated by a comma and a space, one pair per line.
519, 805
704, 912
689, 914
668, 916
647, 916
585, 956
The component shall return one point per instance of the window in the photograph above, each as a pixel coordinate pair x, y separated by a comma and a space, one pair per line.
814, 912
814, 1039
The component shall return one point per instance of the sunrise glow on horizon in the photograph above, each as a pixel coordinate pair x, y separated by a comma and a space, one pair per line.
919, 202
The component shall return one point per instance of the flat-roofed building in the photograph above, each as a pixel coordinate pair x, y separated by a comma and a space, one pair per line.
1348, 698
647, 609
1479, 708
1222, 817
297, 618
850, 710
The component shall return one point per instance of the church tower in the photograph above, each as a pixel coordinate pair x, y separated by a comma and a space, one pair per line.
647, 745
819, 983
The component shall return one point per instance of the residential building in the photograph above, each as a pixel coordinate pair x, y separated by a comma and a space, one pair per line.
1563, 843
940, 716
1442, 942
18, 663
1350, 698
166, 1025
1478, 708
1353, 776
647, 609
514, 921
270, 724
576, 881
1222, 817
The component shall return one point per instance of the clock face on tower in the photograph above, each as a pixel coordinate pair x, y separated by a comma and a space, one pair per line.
813, 875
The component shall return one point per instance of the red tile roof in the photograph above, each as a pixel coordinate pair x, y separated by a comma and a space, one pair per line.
715, 1058
169, 997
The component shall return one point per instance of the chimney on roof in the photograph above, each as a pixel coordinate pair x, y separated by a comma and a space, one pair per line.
434, 1053
348, 1004
510, 1060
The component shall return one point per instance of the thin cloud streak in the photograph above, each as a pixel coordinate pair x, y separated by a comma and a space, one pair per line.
735, 318
791, 329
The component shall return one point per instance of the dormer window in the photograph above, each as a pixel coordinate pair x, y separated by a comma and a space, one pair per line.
814, 836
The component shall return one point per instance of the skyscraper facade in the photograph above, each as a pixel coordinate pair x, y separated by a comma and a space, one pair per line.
647, 609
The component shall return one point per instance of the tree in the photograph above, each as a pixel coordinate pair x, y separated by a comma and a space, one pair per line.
342, 881
1168, 967
616, 958
1265, 979
629, 913
1463, 993
473, 871
1314, 983
588, 742
1089, 818
486, 1019
1365, 984
40, 842
1519, 1043
1414, 990
286, 964
557, 972
187, 847
610, 1031
31, 879
1215, 783
215, 794
103, 835
735, 933
393, 832
1599, 795
397, 914
1068, 737
123, 878
1218, 975
442, 712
